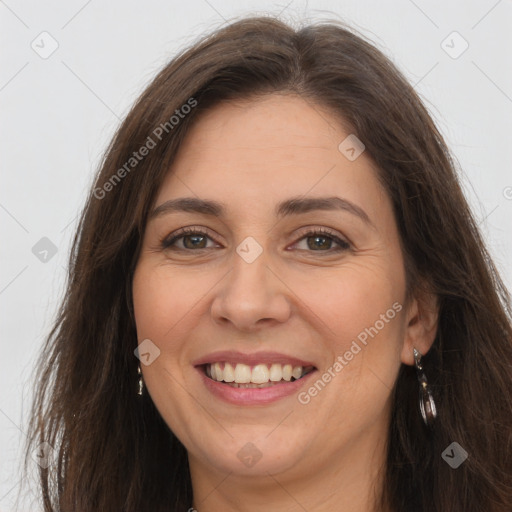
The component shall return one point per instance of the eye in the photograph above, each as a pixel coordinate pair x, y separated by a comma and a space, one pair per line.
192, 238
321, 240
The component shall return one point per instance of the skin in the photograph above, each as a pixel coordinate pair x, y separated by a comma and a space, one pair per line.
327, 454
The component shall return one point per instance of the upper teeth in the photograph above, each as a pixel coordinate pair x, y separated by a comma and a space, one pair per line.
259, 374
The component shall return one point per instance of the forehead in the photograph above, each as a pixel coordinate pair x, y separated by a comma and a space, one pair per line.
263, 150
279, 125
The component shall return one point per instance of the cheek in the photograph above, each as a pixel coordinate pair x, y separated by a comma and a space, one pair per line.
163, 301
351, 298
164, 313
358, 311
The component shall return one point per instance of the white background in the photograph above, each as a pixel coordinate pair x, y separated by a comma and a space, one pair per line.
59, 113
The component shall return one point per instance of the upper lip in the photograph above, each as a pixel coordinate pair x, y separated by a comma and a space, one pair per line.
250, 359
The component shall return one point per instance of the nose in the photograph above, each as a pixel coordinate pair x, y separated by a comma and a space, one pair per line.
251, 296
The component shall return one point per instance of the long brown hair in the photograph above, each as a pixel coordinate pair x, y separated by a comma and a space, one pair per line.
113, 451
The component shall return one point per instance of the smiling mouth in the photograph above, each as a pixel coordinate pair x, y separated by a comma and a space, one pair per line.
239, 375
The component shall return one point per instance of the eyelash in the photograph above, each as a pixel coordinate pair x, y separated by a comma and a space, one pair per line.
167, 242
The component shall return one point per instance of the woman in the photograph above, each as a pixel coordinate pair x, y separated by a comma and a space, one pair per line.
278, 298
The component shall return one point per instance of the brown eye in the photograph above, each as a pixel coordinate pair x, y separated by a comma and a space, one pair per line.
322, 241
196, 241
319, 240
193, 239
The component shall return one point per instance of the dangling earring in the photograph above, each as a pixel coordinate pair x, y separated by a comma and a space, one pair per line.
140, 381
427, 404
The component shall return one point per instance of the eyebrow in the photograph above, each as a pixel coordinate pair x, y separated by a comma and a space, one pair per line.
292, 206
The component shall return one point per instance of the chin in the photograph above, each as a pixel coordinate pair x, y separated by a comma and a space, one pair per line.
258, 457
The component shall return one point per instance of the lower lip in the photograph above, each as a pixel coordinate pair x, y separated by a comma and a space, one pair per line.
253, 396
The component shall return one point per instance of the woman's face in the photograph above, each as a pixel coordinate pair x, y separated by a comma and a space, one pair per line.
249, 289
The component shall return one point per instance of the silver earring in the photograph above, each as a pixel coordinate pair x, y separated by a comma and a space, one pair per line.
140, 381
427, 404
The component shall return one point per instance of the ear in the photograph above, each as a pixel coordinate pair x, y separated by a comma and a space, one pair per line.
421, 319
